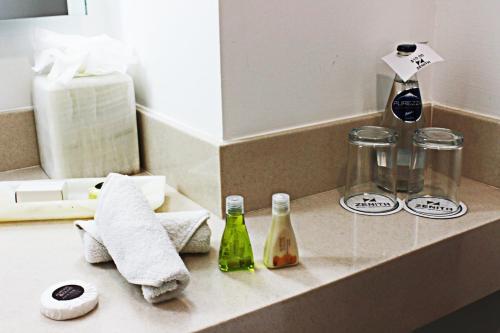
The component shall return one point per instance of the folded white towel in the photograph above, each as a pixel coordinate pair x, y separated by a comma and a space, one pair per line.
188, 231
137, 242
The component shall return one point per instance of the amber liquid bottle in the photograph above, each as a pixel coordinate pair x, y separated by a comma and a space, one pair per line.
281, 246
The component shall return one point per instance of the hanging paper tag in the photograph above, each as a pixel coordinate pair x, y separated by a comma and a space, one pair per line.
406, 66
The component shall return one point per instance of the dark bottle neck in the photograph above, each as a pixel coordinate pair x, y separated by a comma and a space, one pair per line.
412, 79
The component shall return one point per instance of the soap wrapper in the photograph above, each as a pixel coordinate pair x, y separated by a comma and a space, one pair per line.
67, 56
407, 66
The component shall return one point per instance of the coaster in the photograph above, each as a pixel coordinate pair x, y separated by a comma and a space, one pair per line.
435, 208
371, 204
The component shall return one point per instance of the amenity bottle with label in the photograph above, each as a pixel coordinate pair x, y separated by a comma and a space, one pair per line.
235, 251
403, 113
281, 247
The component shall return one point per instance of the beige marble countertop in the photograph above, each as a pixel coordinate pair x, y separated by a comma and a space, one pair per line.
334, 244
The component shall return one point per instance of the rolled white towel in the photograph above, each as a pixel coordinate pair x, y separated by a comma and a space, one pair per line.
188, 231
137, 242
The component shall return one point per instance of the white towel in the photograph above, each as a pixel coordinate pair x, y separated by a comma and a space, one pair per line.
137, 242
188, 231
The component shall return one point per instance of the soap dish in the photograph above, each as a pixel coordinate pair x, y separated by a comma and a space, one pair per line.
75, 203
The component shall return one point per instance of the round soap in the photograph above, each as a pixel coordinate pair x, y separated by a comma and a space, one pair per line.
68, 299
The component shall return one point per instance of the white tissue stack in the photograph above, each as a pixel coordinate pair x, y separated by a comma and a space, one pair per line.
86, 128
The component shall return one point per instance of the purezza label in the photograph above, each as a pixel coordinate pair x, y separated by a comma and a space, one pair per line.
371, 203
407, 105
433, 206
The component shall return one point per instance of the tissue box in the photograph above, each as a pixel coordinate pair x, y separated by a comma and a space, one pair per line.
88, 127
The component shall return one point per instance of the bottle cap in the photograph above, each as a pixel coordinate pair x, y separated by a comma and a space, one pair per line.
234, 204
406, 49
281, 202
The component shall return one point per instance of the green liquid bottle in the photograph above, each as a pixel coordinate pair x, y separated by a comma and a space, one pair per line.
235, 252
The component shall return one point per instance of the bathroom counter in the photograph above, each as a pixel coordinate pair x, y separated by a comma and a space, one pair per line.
356, 273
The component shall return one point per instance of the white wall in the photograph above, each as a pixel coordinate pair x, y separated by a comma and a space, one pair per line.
16, 53
281, 63
468, 37
288, 63
177, 42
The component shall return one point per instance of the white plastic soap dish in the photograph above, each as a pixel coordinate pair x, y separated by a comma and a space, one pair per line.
75, 203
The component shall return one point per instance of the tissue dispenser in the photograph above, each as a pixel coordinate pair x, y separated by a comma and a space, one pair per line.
88, 127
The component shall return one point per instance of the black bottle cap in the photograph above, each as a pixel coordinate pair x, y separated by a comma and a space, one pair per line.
407, 48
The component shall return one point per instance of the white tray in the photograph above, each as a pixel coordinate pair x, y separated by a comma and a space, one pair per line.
75, 205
